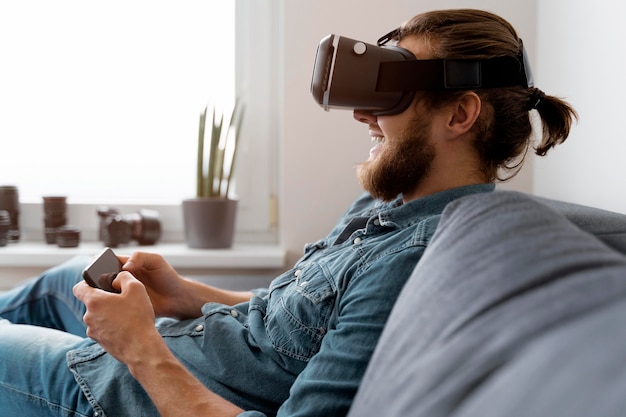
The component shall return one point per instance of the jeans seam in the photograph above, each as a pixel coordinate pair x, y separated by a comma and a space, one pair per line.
44, 403
70, 306
30, 299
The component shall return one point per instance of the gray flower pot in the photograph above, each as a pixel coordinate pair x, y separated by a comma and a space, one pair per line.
209, 222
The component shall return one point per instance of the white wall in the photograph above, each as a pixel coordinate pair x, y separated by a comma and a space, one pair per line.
582, 57
320, 149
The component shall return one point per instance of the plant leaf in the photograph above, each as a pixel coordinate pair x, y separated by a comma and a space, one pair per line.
216, 131
215, 167
200, 160
235, 123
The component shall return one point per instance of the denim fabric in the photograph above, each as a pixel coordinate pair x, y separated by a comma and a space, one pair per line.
301, 346
34, 378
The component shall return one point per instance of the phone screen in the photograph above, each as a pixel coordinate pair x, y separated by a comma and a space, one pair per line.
101, 272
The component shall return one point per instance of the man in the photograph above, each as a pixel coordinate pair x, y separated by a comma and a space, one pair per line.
301, 346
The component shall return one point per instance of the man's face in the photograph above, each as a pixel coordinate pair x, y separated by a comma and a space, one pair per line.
403, 153
401, 157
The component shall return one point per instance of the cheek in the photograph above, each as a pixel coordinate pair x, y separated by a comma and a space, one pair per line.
393, 126
388, 126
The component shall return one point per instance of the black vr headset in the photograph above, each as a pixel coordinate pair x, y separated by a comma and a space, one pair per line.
383, 79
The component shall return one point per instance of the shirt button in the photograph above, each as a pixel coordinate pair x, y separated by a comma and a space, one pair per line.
377, 222
298, 272
234, 313
357, 241
199, 328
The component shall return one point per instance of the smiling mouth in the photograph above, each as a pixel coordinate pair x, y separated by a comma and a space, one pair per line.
379, 142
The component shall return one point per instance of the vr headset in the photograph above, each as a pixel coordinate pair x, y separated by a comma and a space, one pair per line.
383, 79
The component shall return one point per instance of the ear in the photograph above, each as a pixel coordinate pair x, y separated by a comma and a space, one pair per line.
465, 111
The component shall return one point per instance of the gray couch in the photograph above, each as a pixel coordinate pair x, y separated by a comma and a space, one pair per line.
518, 308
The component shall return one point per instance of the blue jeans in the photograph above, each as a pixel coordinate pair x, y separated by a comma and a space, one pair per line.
39, 323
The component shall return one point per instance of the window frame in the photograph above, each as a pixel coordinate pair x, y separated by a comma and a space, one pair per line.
256, 79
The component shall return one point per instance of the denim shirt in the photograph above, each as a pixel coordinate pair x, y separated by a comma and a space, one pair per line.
300, 347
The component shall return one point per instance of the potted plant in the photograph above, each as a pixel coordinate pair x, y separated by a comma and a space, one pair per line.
209, 218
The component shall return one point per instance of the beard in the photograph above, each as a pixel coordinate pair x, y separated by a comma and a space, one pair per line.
401, 165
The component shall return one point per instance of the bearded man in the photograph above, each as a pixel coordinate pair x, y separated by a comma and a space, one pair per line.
301, 346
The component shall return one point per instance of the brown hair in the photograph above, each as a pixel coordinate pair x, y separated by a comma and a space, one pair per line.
504, 130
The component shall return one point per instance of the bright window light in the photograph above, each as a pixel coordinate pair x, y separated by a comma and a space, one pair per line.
100, 101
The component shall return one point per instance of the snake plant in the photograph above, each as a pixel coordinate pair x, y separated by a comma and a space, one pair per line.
216, 162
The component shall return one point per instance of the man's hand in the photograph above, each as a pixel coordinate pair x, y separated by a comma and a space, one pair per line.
165, 287
171, 294
121, 323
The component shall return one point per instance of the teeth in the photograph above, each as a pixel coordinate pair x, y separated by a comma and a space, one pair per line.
378, 139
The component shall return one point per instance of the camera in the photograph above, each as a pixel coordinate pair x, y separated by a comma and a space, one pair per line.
116, 228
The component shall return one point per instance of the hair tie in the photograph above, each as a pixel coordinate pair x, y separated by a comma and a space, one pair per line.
535, 98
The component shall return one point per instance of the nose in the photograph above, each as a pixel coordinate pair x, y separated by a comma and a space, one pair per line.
364, 117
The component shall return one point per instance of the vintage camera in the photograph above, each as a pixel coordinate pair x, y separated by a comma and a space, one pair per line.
115, 228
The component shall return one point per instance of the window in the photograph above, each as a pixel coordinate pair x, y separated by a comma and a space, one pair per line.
100, 100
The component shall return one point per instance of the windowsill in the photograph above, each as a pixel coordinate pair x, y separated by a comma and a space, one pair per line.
240, 256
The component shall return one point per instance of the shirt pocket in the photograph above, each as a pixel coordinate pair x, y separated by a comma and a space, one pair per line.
298, 311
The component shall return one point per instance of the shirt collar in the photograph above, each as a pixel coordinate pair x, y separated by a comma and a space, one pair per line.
395, 212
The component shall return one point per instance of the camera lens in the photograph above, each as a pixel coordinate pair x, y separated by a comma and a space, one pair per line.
67, 236
150, 227
5, 224
9, 202
54, 209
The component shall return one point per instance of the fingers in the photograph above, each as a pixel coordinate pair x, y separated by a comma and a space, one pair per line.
81, 290
143, 261
105, 281
124, 281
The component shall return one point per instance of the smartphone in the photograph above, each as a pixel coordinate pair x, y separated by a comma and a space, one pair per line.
101, 272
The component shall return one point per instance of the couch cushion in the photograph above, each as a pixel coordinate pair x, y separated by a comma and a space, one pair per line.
502, 273
575, 370
608, 226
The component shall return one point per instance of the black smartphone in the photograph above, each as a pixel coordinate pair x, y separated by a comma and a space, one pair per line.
101, 272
